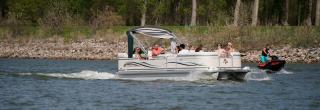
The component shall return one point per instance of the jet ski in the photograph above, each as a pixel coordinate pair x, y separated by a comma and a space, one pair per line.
275, 64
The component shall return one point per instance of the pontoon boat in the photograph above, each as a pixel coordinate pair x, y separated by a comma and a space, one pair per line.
172, 64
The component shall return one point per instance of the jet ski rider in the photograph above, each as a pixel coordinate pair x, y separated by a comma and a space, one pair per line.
265, 54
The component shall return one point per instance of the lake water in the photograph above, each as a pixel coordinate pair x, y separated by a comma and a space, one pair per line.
76, 84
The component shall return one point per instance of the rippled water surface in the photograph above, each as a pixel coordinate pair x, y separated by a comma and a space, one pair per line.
74, 84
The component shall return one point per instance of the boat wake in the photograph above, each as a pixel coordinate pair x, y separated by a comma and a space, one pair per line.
283, 71
92, 75
196, 76
257, 75
85, 74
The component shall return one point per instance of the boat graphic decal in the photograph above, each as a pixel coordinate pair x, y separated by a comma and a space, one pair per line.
144, 64
187, 63
147, 64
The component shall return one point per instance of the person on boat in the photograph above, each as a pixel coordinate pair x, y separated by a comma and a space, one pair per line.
177, 49
139, 54
220, 50
199, 48
265, 54
191, 48
157, 50
183, 50
229, 49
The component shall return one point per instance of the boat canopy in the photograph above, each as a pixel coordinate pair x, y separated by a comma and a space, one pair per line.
149, 32
154, 32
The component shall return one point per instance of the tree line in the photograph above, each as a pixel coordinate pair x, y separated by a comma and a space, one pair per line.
101, 13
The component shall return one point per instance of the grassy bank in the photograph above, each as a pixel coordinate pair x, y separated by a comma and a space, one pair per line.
244, 38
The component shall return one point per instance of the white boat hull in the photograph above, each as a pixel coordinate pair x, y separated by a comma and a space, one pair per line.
201, 74
171, 65
204, 64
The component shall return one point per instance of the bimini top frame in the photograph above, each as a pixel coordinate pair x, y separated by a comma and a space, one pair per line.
149, 32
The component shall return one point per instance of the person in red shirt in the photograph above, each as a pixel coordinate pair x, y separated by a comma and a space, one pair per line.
157, 50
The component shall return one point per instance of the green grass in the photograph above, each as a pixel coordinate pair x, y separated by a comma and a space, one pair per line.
243, 38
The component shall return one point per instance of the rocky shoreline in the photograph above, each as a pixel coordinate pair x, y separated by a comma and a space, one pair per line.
99, 49
88, 49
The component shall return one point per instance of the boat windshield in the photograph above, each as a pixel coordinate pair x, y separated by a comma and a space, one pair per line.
146, 38
147, 43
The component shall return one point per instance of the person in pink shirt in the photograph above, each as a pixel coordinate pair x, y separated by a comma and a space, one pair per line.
157, 50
